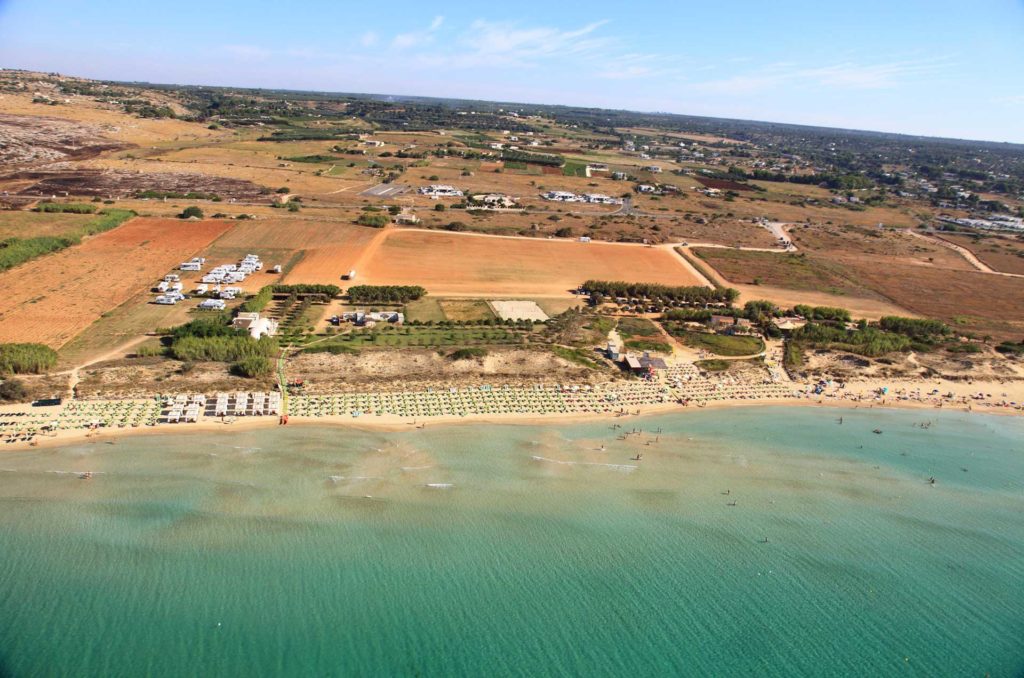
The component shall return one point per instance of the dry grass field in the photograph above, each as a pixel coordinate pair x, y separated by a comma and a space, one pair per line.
115, 124
1005, 254
973, 301
38, 224
789, 271
474, 265
332, 251
53, 298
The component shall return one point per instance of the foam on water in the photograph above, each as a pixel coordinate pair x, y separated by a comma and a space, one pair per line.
327, 554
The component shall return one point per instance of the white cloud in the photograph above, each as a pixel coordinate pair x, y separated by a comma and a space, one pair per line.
846, 75
247, 52
635, 66
417, 38
369, 39
508, 42
1012, 100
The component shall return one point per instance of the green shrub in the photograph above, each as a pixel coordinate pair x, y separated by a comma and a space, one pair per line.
214, 325
917, 328
467, 353
258, 301
867, 341
70, 208
256, 366
964, 348
190, 212
822, 313
793, 355
373, 220
13, 390
26, 358
222, 348
713, 365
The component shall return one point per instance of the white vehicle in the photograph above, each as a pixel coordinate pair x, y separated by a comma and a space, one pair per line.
167, 300
201, 289
213, 305
162, 286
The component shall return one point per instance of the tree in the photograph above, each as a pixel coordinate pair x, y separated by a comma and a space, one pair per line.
283, 189
440, 207
564, 232
374, 220
191, 212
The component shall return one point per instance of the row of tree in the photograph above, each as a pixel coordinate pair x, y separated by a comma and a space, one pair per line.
385, 294
689, 294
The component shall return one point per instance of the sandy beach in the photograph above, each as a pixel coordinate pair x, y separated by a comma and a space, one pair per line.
25, 426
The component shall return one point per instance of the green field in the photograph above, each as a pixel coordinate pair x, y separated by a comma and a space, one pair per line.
722, 344
572, 168
425, 337
636, 327
648, 345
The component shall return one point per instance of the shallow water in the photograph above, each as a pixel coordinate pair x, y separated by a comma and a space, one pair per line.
520, 550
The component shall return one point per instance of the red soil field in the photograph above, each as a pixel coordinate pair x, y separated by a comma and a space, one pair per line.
51, 299
723, 184
325, 261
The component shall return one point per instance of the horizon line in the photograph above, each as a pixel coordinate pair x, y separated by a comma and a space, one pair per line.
911, 135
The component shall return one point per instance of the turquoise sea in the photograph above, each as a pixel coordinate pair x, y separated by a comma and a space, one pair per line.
482, 550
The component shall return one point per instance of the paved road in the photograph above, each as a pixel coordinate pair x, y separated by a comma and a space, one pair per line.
386, 190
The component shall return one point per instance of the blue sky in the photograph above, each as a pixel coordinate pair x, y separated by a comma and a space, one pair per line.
942, 68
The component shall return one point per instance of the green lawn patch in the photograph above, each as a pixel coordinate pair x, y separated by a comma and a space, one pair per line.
722, 344
713, 365
637, 327
648, 345
572, 168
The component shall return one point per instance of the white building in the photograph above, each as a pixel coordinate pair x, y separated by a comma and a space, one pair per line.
255, 325
440, 191
601, 199
562, 196
495, 200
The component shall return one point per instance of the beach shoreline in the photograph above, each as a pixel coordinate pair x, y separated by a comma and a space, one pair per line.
392, 423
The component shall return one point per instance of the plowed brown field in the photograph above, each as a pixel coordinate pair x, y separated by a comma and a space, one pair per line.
53, 298
466, 264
